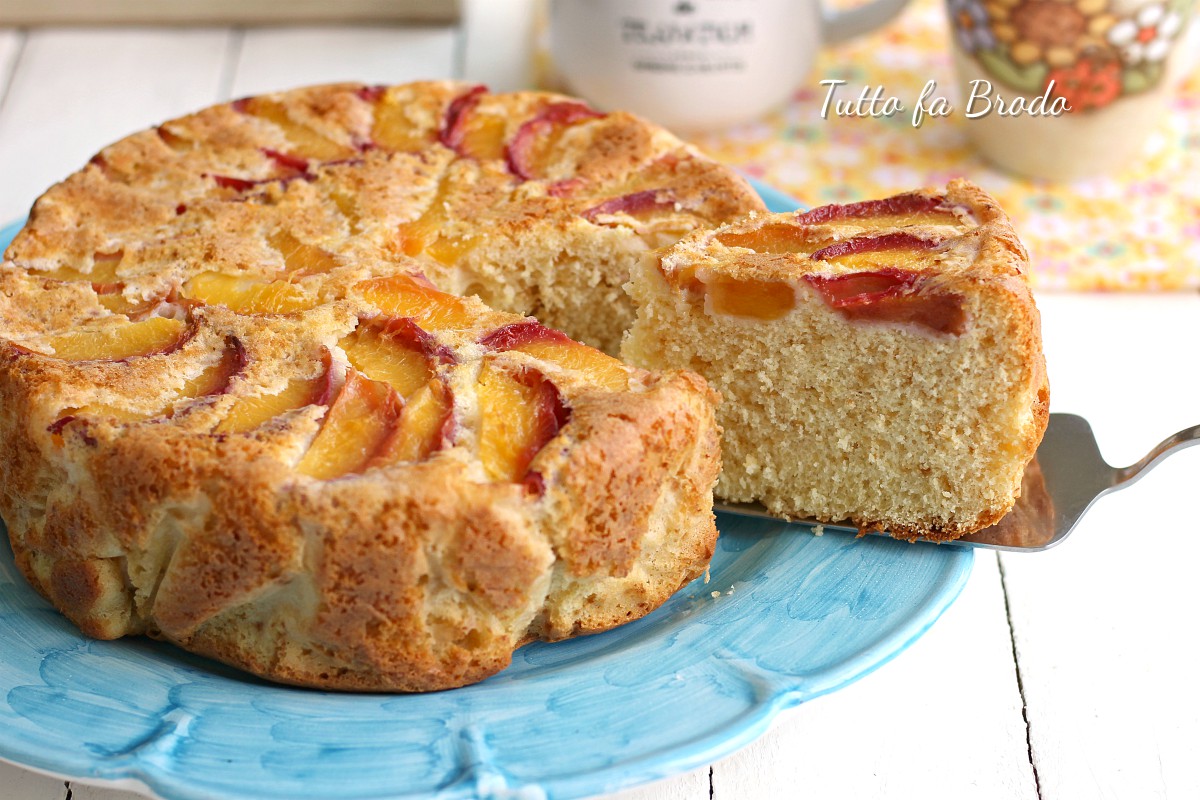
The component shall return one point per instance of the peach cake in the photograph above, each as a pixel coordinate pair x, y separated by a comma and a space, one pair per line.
250, 405
879, 362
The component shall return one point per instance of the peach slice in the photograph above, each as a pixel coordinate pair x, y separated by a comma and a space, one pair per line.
246, 295
305, 141
395, 351
394, 129
890, 212
237, 184
103, 275
772, 238
358, 424
426, 426
347, 206
248, 413
215, 379
112, 298
891, 295
288, 168
536, 139
749, 297
861, 288
212, 380
425, 234
407, 296
892, 250
300, 258
288, 163
117, 342
534, 338
471, 134
519, 413
173, 140
638, 204
752, 298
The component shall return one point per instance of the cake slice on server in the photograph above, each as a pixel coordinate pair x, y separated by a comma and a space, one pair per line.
880, 362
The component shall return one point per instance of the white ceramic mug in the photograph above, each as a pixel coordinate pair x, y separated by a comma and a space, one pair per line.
697, 64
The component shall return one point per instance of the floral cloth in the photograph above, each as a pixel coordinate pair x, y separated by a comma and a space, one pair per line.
1136, 229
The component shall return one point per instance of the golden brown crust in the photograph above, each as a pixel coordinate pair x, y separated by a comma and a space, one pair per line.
186, 318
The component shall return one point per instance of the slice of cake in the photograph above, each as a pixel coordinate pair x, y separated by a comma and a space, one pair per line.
880, 362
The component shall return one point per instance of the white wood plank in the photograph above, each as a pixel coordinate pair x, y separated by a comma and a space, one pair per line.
20, 784
283, 58
1104, 624
498, 46
10, 45
691, 786
941, 722
80, 791
225, 12
75, 91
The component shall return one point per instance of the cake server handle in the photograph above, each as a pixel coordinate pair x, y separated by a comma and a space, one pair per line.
1123, 476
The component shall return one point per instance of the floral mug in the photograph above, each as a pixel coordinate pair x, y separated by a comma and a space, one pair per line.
1062, 89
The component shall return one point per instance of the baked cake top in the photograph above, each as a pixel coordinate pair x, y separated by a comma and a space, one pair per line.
892, 259
229, 267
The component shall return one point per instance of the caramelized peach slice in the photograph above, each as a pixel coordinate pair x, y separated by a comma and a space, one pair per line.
347, 206
406, 296
892, 250
103, 275
426, 426
394, 129
112, 297
395, 351
213, 379
359, 423
890, 212
117, 303
536, 140
246, 295
749, 297
117, 341
638, 204
248, 413
236, 184
470, 133
861, 288
537, 340
287, 163
173, 140
775, 237
305, 141
426, 234
891, 296
519, 413
300, 258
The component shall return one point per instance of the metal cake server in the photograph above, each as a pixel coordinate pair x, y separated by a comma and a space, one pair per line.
1061, 483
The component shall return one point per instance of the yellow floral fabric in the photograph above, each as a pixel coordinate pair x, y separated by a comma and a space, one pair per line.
1137, 229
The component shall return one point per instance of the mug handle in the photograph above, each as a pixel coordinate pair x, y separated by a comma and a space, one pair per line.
837, 26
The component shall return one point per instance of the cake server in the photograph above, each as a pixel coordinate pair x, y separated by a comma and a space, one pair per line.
1061, 483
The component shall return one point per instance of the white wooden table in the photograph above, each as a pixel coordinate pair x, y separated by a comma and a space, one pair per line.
1062, 675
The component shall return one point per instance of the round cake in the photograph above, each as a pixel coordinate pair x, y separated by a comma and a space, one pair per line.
269, 391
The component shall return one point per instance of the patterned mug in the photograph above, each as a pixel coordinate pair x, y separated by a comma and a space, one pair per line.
1062, 89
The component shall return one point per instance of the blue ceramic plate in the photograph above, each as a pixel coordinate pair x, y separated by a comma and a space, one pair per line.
785, 616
